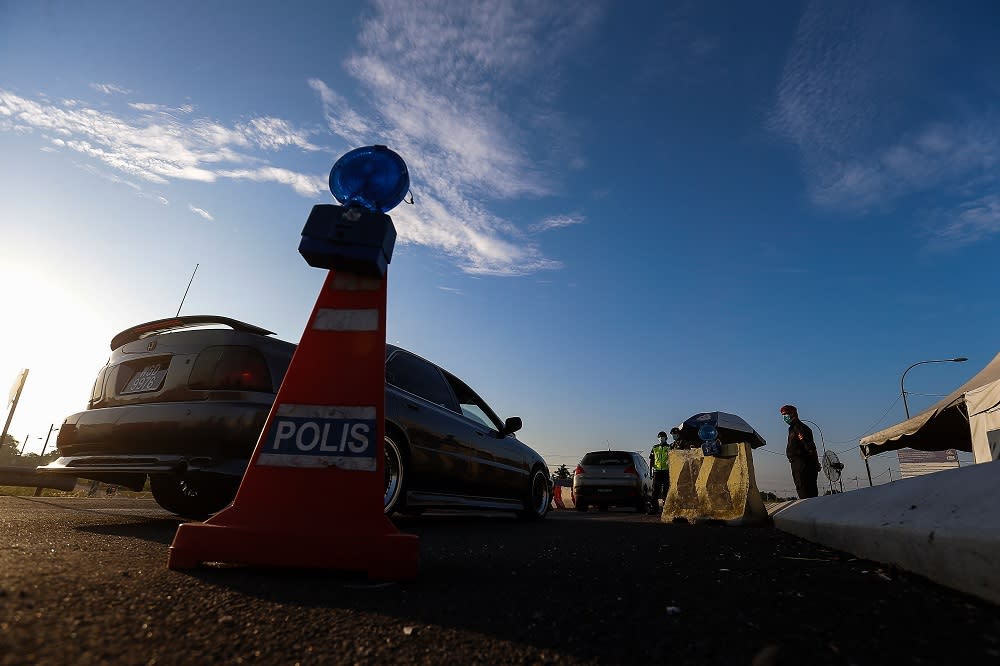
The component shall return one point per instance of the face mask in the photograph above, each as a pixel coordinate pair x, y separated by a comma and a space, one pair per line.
677, 437
787, 418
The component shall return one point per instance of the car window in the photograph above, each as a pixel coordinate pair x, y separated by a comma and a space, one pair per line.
420, 378
607, 458
472, 406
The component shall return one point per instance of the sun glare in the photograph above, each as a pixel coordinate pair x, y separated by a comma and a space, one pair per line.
50, 329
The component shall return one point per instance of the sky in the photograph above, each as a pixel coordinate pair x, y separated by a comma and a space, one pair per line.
624, 213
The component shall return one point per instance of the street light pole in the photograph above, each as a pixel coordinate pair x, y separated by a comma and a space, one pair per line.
902, 391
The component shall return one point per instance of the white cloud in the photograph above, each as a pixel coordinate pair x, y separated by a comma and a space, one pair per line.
452, 290
274, 133
110, 89
306, 185
444, 80
843, 102
973, 221
158, 147
558, 222
201, 212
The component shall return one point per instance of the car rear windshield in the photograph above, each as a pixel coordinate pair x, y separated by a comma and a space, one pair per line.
607, 458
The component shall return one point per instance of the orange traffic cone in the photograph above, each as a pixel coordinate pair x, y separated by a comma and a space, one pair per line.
312, 495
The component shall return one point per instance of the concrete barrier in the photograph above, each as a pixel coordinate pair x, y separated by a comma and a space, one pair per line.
719, 487
943, 526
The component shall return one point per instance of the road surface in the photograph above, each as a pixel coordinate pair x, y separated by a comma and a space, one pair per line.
84, 581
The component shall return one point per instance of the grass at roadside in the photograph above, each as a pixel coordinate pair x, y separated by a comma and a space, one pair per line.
82, 490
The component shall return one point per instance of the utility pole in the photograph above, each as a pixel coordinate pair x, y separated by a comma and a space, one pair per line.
52, 428
24, 444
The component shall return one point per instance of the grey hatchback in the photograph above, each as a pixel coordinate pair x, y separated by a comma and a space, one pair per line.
612, 478
184, 405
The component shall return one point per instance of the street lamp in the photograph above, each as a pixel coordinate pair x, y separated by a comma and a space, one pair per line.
902, 391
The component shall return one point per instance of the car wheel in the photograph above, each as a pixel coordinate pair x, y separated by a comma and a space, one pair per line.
602, 507
539, 498
395, 477
582, 507
193, 498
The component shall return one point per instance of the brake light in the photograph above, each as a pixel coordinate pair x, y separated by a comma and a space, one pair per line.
578, 471
97, 392
631, 470
231, 368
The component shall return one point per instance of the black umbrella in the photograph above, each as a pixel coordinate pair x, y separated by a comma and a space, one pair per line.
731, 428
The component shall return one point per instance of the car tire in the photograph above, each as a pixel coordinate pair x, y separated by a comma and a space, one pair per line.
195, 498
582, 507
538, 499
395, 477
602, 507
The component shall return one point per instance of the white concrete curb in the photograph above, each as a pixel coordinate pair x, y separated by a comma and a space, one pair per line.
944, 526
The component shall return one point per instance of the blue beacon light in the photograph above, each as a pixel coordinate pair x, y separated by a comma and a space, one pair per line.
709, 437
357, 236
373, 177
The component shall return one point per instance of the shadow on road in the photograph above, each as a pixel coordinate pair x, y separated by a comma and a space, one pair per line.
622, 590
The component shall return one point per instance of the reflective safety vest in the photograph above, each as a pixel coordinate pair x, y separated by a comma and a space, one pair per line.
661, 457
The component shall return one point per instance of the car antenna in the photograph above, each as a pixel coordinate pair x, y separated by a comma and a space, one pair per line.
186, 290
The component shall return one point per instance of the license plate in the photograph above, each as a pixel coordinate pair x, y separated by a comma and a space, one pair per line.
604, 490
149, 379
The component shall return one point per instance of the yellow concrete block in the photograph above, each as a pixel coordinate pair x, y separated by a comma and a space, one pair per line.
719, 487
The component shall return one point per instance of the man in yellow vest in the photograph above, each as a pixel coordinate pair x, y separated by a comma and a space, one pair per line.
659, 462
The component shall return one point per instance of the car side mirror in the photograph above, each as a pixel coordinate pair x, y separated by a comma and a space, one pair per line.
510, 426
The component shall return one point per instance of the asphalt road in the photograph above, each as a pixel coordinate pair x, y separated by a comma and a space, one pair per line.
84, 581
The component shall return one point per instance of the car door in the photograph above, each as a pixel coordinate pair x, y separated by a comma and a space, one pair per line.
421, 401
499, 467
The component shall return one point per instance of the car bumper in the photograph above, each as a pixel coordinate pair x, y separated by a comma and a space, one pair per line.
125, 444
187, 429
606, 494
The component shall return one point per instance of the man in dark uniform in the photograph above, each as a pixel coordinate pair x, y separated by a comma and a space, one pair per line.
801, 452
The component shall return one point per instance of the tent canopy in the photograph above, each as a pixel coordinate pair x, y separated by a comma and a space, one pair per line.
732, 428
944, 425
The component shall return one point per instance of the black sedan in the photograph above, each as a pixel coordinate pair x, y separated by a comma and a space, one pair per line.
184, 405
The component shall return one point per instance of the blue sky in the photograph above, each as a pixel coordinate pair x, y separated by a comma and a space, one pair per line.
625, 212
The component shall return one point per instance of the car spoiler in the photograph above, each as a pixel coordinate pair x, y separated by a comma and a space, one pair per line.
187, 321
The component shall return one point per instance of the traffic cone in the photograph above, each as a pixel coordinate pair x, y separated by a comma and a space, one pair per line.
313, 493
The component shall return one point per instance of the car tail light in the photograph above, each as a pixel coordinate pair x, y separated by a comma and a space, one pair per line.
231, 368
631, 470
578, 471
97, 392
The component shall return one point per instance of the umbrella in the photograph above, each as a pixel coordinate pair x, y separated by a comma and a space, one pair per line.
731, 428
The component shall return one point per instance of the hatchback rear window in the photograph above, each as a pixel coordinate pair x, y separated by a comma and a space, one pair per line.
607, 458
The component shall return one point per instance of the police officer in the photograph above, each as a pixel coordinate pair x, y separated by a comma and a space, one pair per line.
659, 462
801, 452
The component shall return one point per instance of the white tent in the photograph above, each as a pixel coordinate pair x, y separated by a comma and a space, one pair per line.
967, 419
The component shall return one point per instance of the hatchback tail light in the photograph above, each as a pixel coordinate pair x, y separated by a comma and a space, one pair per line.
578, 471
631, 470
231, 368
